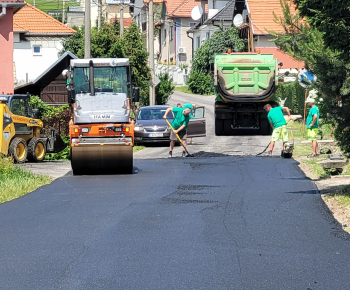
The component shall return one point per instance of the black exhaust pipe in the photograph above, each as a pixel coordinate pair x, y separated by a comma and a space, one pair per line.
91, 73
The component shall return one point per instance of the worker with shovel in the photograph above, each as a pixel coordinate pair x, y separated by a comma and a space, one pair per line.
278, 124
190, 106
179, 127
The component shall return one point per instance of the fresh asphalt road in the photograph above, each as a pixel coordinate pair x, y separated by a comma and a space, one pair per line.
224, 219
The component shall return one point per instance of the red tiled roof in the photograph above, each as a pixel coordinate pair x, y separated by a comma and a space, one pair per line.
185, 8
178, 8
262, 15
126, 21
288, 61
11, 1
33, 20
154, 1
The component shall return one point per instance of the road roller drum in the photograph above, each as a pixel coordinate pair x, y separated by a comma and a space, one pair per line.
102, 159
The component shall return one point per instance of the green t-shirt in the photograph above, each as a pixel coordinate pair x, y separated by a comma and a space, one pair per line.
179, 118
276, 117
312, 112
187, 106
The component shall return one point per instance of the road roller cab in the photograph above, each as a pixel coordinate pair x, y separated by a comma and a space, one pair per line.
101, 130
20, 131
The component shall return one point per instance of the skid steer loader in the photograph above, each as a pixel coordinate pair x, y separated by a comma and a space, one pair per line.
20, 131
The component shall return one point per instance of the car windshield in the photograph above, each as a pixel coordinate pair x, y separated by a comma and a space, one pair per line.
153, 114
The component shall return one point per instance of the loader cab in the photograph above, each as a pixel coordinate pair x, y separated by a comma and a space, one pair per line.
19, 105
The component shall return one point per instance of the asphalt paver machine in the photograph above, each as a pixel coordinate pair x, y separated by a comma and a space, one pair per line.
101, 93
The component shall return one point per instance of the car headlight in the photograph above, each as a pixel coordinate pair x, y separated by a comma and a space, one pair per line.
138, 128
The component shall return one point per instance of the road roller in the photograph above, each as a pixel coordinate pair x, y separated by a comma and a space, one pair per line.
101, 93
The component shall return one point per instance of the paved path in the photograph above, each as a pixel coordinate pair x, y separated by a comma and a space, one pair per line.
222, 221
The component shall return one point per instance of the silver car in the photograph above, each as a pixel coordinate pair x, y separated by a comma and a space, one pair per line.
151, 127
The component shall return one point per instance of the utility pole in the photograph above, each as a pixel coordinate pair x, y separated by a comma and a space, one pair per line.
63, 12
121, 18
99, 12
58, 9
87, 50
151, 51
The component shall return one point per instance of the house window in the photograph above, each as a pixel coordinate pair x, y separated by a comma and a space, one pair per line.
36, 49
198, 42
171, 33
192, 24
207, 35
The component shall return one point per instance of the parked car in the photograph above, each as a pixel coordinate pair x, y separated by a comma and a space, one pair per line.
151, 127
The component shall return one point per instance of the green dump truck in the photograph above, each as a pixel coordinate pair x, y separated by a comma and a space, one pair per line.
244, 83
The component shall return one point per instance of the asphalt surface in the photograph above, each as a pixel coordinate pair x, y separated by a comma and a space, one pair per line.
224, 219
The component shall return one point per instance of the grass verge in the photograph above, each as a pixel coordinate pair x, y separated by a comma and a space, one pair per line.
183, 89
15, 181
138, 148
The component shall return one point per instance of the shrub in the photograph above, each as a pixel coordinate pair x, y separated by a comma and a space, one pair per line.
200, 83
164, 89
52, 117
293, 94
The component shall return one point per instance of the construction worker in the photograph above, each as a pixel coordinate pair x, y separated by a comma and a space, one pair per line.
278, 124
312, 125
190, 106
179, 124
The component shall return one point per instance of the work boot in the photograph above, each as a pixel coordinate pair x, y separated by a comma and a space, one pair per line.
170, 154
183, 154
267, 154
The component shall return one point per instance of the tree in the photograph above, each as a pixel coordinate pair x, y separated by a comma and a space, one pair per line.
106, 42
199, 80
324, 48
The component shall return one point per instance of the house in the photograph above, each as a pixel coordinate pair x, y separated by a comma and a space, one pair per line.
50, 86
37, 43
172, 44
109, 10
258, 20
8, 8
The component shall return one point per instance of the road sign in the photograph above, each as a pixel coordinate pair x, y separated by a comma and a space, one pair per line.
306, 78
156, 81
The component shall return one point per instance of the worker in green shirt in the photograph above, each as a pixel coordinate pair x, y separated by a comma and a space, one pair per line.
179, 124
190, 106
312, 126
278, 124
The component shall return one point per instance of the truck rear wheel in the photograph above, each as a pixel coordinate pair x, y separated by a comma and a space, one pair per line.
219, 127
36, 150
18, 150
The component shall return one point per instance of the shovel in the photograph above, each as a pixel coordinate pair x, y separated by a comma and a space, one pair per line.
188, 154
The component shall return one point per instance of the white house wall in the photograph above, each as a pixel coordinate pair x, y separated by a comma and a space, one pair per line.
167, 46
182, 40
263, 41
29, 66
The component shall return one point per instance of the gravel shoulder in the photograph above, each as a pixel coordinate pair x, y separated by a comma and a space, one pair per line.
327, 187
